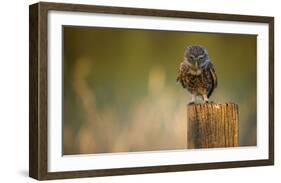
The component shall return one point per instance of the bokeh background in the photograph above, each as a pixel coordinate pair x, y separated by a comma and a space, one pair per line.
120, 91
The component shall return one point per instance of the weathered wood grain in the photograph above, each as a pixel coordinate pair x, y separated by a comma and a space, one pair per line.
212, 125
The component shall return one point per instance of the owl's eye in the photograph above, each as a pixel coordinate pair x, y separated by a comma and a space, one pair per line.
201, 59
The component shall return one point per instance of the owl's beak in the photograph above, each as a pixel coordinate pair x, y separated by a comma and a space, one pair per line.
196, 65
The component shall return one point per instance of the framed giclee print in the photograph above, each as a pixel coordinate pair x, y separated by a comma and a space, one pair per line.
117, 91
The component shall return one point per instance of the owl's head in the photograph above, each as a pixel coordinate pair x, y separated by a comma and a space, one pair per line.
196, 56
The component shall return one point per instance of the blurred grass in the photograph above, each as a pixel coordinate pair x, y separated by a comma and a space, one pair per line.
120, 92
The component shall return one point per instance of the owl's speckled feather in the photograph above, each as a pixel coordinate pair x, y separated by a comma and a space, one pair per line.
197, 74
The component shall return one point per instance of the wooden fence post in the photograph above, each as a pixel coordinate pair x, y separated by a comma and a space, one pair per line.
212, 125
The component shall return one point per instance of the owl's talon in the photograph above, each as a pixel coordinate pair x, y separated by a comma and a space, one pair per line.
191, 103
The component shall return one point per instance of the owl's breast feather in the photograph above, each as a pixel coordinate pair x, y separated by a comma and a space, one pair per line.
195, 72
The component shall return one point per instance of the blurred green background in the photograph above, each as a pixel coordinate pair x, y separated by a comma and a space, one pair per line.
120, 90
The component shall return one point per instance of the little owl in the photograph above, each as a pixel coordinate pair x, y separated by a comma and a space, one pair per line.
196, 73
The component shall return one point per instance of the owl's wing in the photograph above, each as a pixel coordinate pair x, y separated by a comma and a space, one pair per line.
213, 77
182, 74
